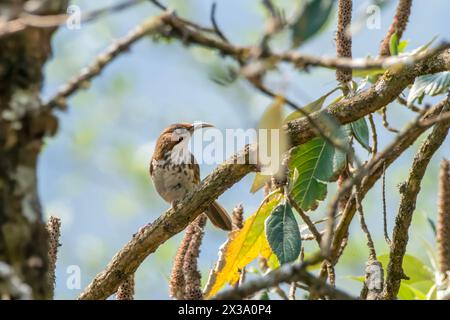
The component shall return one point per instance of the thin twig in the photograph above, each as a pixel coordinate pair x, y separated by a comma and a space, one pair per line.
386, 122
102, 60
374, 137
50, 21
306, 219
215, 24
286, 273
383, 190
411, 107
365, 229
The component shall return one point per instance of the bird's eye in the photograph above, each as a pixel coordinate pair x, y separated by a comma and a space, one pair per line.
180, 139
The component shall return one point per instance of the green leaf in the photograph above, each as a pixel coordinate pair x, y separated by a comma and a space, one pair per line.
432, 85
312, 18
283, 234
414, 268
316, 161
393, 44
422, 48
367, 73
415, 291
360, 131
357, 278
402, 46
311, 107
432, 225
264, 295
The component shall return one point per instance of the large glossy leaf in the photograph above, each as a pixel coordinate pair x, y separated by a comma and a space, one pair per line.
316, 161
283, 234
241, 248
360, 131
432, 85
312, 18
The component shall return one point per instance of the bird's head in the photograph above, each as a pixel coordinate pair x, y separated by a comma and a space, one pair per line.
176, 134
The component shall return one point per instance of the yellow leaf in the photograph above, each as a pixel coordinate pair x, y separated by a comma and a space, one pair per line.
241, 248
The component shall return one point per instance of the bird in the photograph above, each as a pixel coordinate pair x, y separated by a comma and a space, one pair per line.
175, 171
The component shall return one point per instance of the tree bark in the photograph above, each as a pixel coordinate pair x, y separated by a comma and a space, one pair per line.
23, 125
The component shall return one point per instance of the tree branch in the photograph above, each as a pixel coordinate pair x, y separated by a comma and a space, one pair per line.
383, 160
174, 220
27, 20
96, 67
398, 25
287, 273
407, 206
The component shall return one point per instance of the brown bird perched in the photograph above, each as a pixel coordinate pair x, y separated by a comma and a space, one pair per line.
175, 171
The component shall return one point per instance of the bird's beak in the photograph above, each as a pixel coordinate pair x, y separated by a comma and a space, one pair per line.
198, 125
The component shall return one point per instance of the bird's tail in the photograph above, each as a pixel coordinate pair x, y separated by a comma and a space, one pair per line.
219, 216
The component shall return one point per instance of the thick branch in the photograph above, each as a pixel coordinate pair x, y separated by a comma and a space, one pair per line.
127, 260
383, 92
407, 207
11, 286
